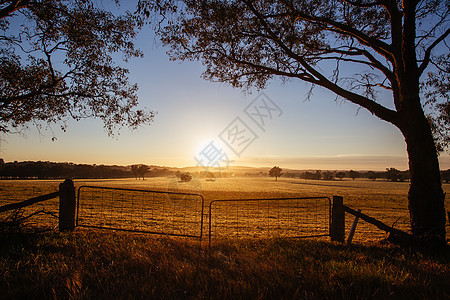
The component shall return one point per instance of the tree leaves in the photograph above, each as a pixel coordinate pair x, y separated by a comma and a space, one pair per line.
57, 63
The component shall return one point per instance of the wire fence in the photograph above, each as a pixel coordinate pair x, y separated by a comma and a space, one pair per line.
175, 214
276, 217
182, 213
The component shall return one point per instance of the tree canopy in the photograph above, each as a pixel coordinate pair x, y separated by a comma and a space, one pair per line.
57, 62
275, 172
246, 43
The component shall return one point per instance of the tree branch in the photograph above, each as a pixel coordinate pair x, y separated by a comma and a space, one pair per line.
360, 4
427, 56
12, 7
375, 108
377, 45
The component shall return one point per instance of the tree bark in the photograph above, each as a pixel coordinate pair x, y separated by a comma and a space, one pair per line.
425, 196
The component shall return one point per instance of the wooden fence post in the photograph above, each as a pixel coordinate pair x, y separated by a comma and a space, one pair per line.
67, 205
353, 229
337, 229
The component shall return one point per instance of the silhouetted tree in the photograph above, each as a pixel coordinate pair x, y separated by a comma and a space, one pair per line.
372, 175
56, 62
390, 45
327, 175
135, 171
393, 174
275, 172
340, 175
291, 175
314, 176
142, 170
317, 175
353, 174
185, 177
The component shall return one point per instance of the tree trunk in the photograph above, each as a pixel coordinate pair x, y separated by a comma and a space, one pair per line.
426, 197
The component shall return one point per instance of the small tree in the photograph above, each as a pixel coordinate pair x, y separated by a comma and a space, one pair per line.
353, 174
327, 175
340, 175
275, 172
135, 170
186, 177
317, 175
142, 170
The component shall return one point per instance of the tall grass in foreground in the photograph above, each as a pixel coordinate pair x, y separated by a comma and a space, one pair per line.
108, 265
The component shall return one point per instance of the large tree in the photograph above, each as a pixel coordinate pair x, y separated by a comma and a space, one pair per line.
57, 62
396, 46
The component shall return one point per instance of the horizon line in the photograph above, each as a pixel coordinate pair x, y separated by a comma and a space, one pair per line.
337, 162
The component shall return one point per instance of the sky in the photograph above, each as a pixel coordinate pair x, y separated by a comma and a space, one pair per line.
196, 117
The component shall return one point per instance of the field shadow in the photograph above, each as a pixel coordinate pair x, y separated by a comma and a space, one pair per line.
331, 185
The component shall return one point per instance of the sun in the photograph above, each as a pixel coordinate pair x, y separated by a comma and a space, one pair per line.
203, 144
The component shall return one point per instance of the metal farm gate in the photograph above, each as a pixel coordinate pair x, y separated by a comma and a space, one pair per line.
276, 217
181, 214
136, 210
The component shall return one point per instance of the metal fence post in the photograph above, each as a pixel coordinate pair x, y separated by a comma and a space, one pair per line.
67, 206
337, 229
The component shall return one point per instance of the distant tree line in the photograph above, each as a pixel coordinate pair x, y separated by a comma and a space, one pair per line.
390, 174
53, 170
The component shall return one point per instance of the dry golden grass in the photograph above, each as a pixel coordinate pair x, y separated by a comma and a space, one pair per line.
94, 265
90, 264
386, 201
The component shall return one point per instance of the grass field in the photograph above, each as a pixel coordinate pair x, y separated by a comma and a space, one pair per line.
94, 265
89, 263
383, 200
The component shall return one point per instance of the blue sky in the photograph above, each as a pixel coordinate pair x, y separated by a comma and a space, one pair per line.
316, 134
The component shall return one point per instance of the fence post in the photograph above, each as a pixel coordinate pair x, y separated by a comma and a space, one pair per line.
67, 204
337, 229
